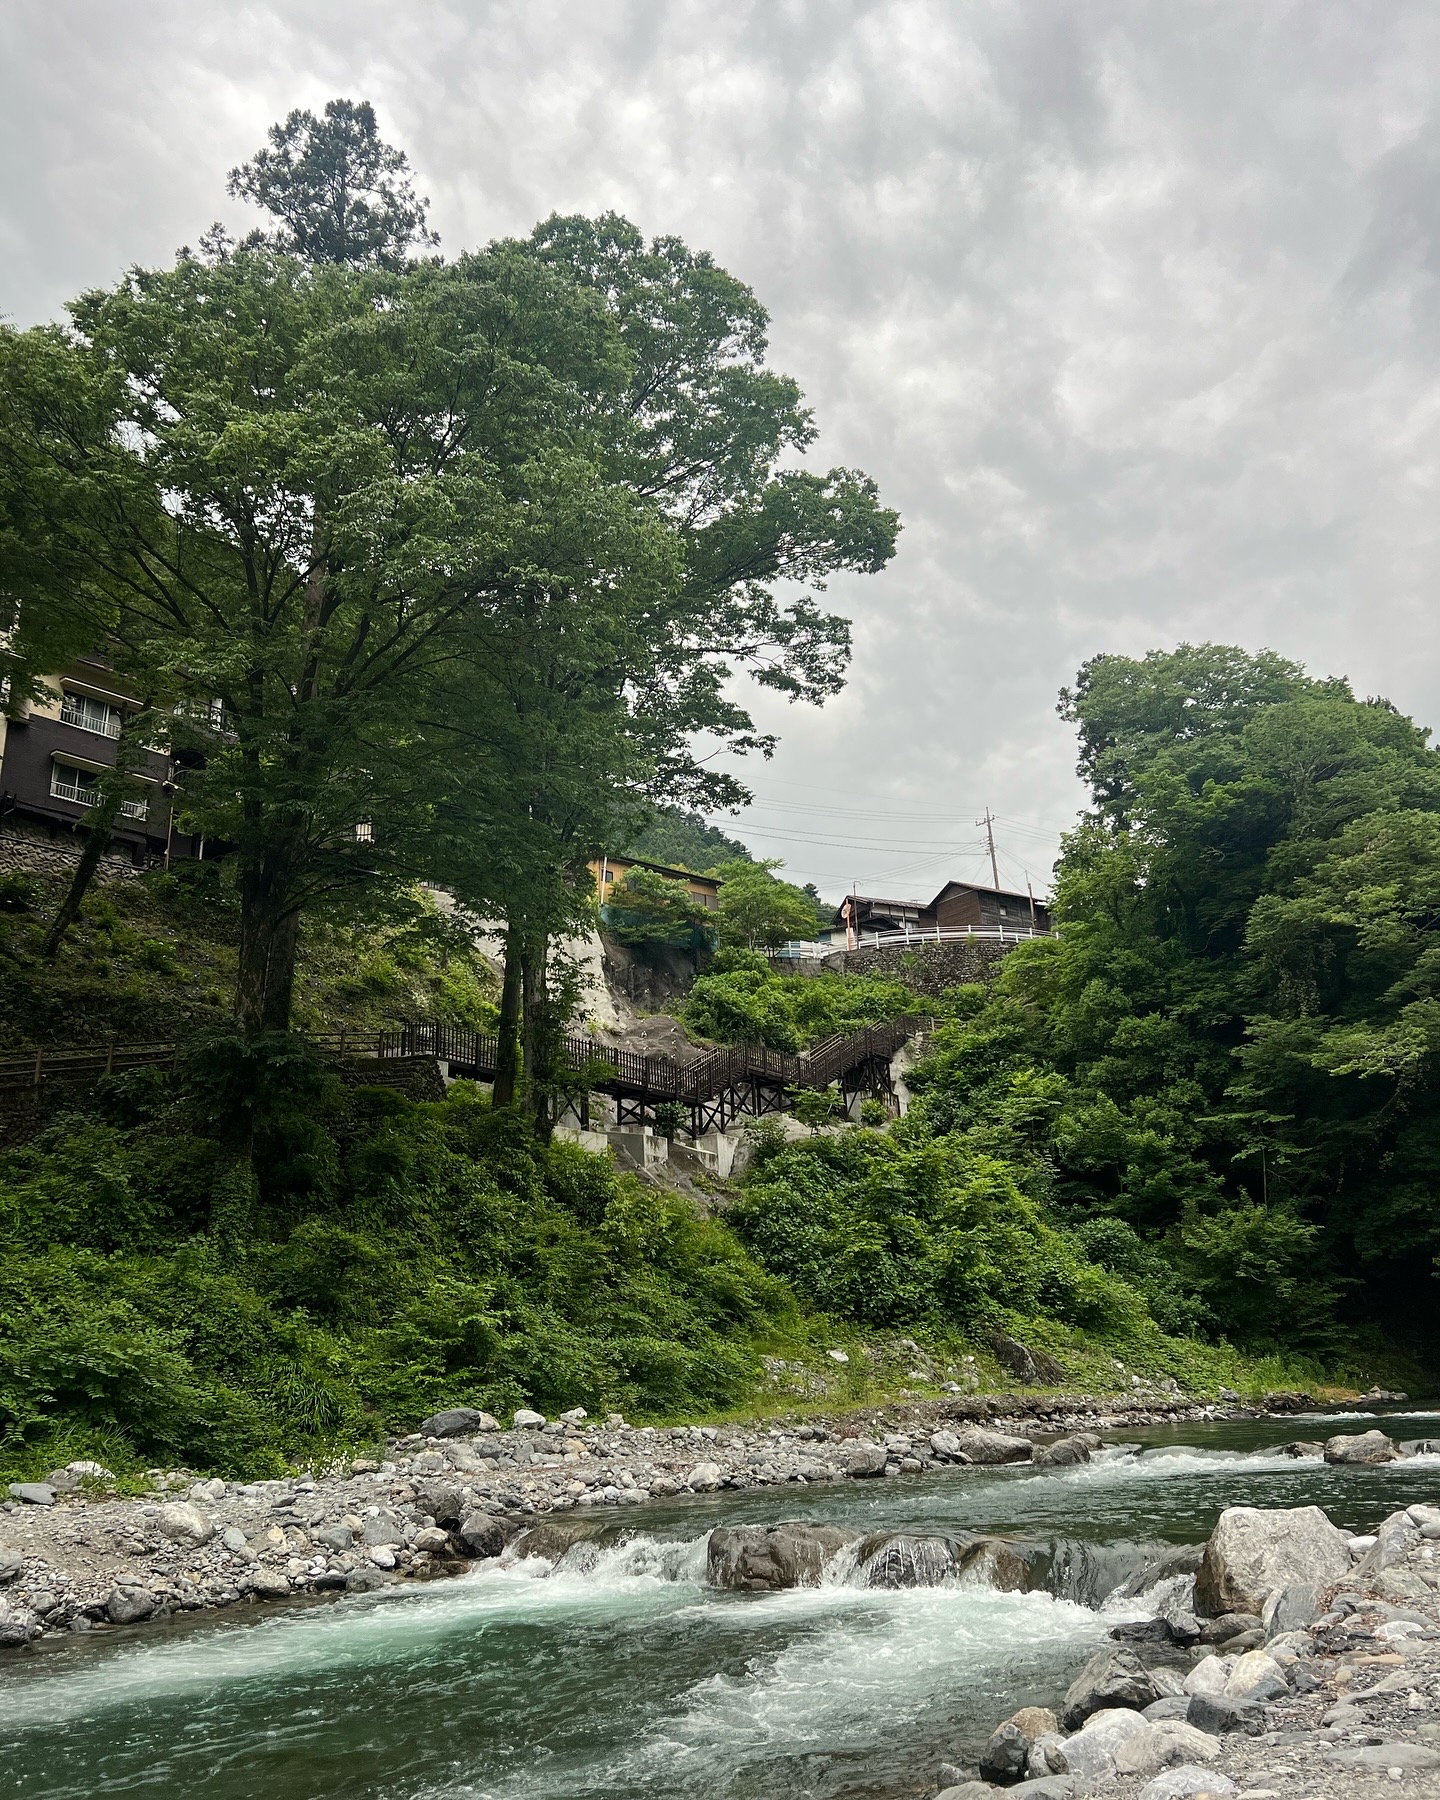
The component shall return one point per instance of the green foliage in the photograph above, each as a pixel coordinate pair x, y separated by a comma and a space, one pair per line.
392, 1257
741, 1000
648, 908
682, 840
815, 1106
1222, 1074
892, 1231
760, 913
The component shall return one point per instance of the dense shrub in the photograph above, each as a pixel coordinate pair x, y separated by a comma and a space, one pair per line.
743, 1000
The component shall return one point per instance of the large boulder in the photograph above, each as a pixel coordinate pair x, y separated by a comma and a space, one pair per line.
1091, 1753
1394, 1541
11, 1563
1063, 1453
456, 1421
979, 1446
866, 1460
1111, 1678
1256, 1677
1252, 1552
1218, 1713
1188, 1779
992, 1563
128, 1605
1365, 1449
765, 1558
183, 1523
442, 1500
1164, 1746
902, 1561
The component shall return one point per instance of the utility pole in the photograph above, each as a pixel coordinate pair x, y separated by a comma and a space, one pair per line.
989, 823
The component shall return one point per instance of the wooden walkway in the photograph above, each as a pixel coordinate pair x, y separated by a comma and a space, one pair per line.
714, 1089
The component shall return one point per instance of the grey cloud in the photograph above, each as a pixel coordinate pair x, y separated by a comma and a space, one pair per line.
1130, 308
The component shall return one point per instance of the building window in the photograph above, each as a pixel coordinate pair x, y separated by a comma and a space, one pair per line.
364, 832
90, 714
82, 788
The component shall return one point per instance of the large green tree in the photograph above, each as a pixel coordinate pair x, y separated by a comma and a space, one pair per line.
290, 488
1224, 1071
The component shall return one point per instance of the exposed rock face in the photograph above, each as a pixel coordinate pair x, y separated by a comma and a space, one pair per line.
1364, 1449
1111, 1678
763, 1558
1252, 1552
1035, 1368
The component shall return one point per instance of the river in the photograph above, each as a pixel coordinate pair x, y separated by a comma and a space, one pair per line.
633, 1677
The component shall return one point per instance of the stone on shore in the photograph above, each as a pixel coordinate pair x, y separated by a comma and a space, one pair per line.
128, 1605
1256, 1677
480, 1534
1005, 1756
457, 1421
184, 1523
1252, 1552
1091, 1753
767, 1558
1367, 1448
265, 1584
11, 1563
32, 1493
1111, 1678
1218, 1714
1164, 1746
1411, 1758
1188, 1779
866, 1460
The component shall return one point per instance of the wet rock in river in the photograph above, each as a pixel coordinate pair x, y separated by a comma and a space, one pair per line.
1063, 1453
1252, 1552
1364, 1449
903, 1561
989, 1447
765, 1558
992, 1563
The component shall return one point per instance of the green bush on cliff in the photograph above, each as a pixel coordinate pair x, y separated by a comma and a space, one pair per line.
743, 1000
383, 1258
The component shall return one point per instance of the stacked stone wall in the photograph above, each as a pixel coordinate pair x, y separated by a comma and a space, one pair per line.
927, 968
36, 852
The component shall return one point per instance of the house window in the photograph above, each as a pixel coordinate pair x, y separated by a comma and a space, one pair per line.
82, 788
90, 714
364, 832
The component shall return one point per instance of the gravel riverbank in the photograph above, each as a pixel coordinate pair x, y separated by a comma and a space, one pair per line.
75, 1558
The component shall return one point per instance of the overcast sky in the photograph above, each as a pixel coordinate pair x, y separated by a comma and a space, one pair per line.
1131, 309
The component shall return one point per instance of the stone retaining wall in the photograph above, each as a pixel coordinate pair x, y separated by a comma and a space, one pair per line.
927, 968
36, 852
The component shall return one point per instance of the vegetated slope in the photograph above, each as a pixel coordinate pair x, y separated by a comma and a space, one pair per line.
1221, 1078
741, 999
682, 840
155, 959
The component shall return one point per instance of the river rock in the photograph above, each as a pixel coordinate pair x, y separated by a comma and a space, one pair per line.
990, 1447
705, 1477
1063, 1453
1394, 1541
11, 1563
1256, 1677
1208, 1676
1291, 1609
527, 1419
1035, 1721
1170, 1706
1111, 1678
992, 1563
184, 1523
1218, 1714
265, 1584
1412, 1758
442, 1500
127, 1606
381, 1532
1164, 1746
481, 1534
457, 1421
1090, 1753
1227, 1626
17, 1625
32, 1493
902, 1561
431, 1539
1005, 1755
766, 1558
335, 1538
1252, 1552
1366, 1448
1188, 1779
866, 1460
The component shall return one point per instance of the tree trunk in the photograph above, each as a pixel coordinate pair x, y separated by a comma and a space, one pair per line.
269, 943
537, 1049
101, 827
507, 1053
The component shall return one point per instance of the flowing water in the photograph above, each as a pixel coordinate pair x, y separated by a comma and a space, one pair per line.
631, 1677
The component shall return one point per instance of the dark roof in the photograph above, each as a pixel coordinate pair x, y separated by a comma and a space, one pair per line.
639, 862
980, 887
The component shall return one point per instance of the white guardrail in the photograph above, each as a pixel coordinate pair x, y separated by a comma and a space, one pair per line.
799, 950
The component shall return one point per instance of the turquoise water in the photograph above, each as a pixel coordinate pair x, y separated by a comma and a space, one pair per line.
636, 1678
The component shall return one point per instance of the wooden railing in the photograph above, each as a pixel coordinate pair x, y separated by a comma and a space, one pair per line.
475, 1052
